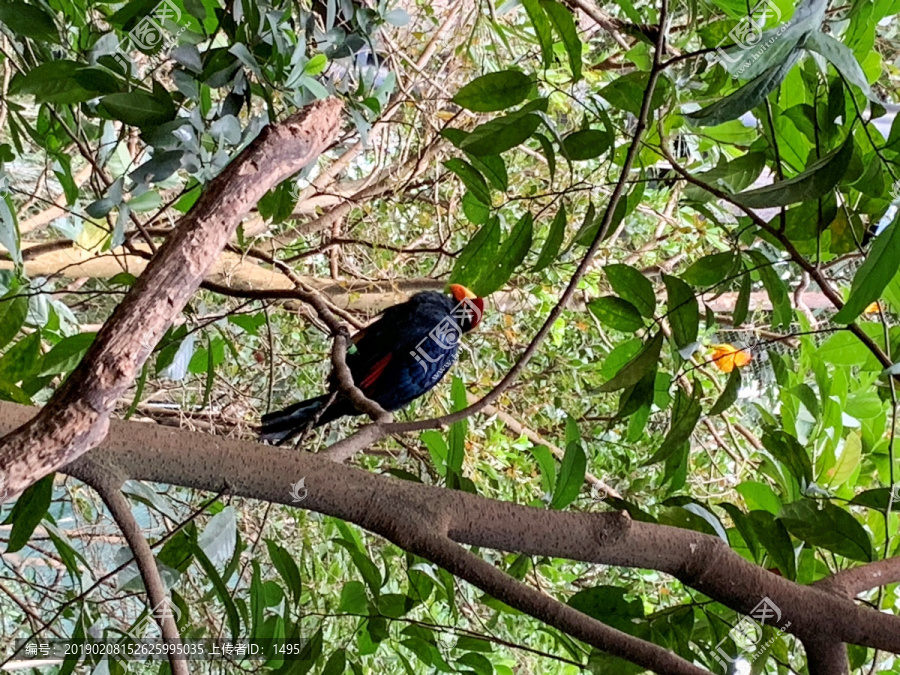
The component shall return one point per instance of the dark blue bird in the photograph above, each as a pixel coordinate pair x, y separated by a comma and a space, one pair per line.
397, 359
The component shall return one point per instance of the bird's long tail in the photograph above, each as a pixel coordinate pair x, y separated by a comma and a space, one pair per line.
282, 425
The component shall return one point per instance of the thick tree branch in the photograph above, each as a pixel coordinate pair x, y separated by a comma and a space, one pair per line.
76, 417
388, 506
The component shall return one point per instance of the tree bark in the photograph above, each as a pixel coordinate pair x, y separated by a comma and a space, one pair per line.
76, 417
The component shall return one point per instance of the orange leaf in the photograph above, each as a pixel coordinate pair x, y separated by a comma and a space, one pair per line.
729, 357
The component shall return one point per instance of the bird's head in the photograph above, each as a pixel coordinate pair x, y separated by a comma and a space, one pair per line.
470, 309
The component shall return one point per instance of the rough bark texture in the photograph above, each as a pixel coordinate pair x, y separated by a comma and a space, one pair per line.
410, 515
76, 418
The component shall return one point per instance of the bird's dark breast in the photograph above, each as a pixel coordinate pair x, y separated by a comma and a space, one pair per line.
424, 346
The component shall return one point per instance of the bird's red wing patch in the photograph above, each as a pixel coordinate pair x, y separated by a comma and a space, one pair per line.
375, 373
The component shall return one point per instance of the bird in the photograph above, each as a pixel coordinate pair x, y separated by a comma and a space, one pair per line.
395, 360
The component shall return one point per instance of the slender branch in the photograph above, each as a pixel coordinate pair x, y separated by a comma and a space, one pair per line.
110, 492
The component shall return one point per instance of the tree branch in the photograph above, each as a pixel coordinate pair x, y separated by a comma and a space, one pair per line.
76, 417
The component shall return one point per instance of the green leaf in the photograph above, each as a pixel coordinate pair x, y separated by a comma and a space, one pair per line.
21, 360
634, 371
848, 462
747, 97
547, 465
819, 178
336, 663
66, 354
787, 450
315, 65
682, 310
586, 144
571, 471
685, 415
782, 309
733, 176
564, 23
9, 230
873, 276
501, 134
710, 269
632, 286
471, 178
13, 310
627, 92
353, 598
139, 108
508, 258
842, 58
456, 441
759, 496
742, 305
30, 508
494, 91
494, 168
554, 240
547, 148
828, 526
287, 568
29, 21
729, 394
616, 313
774, 538
478, 255
541, 28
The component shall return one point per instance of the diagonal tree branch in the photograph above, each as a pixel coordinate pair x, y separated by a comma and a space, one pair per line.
76, 417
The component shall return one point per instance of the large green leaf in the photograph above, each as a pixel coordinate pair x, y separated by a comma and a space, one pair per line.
511, 254
478, 255
29, 21
30, 508
645, 361
788, 450
471, 178
572, 469
633, 286
747, 97
733, 176
13, 310
685, 415
683, 311
616, 313
554, 240
139, 108
586, 144
564, 23
819, 178
774, 537
501, 134
541, 24
842, 58
494, 91
711, 269
873, 276
829, 526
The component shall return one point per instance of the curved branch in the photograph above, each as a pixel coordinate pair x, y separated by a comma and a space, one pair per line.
853, 581
109, 489
76, 417
385, 506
